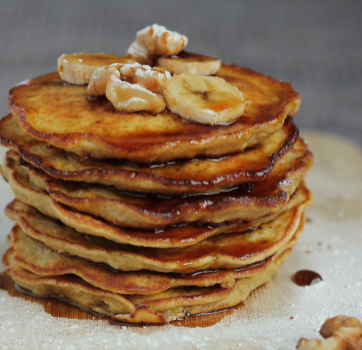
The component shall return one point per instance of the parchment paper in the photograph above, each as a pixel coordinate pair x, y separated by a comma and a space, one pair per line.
330, 245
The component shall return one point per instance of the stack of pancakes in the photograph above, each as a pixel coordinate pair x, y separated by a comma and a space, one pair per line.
148, 218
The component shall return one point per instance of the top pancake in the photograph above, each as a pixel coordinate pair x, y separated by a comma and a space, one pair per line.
63, 116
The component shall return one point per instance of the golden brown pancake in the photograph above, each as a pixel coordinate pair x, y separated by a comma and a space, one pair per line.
177, 177
248, 202
63, 116
113, 303
171, 237
39, 259
230, 251
158, 308
148, 217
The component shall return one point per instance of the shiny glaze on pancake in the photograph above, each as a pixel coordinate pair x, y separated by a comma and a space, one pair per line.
162, 307
62, 115
229, 251
248, 202
37, 258
171, 237
174, 177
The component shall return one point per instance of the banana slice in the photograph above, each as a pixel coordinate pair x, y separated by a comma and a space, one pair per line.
191, 63
127, 97
206, 100
79, 67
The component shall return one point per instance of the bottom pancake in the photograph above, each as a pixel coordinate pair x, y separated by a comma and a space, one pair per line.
39, 259
158, 308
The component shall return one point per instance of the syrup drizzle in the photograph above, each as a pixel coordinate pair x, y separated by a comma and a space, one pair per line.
174, 274
304, 278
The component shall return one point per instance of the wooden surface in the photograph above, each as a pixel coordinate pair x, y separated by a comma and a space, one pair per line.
61, 309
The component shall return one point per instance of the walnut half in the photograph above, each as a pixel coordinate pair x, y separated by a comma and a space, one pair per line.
340, 333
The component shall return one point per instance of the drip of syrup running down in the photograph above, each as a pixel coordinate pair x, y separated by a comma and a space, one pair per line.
306, 278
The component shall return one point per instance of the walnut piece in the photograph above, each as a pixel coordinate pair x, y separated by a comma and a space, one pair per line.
127, 97
131, 87
152, 79
340, 333
154, 41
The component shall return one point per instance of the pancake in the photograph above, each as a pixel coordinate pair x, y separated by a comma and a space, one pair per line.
215, 298
39, 259
148, 217
63, 116
230, 251
115, 302
175, 178
158, 308
181, 236
248, 202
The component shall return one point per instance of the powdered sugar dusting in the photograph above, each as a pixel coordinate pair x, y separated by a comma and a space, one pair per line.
131, 102
127, 86
128, 65
330, 245
158, 31
137, 50
24, 82
148, 74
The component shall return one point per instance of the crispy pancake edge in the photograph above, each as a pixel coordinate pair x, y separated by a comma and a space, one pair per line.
129, 211
218, 252
41, 260
169, 238
147, 178
169, 305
